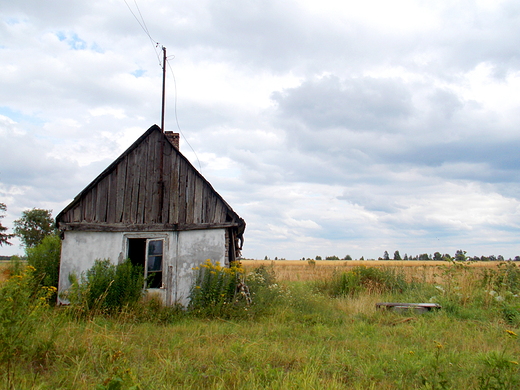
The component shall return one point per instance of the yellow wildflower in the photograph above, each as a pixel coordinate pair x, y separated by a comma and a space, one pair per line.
511, 333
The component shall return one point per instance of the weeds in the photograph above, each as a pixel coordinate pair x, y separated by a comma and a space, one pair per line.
366, 280
215, 292
22, 303
105, 288
437, 378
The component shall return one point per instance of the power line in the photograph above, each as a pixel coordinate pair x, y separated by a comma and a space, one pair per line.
162, 64
142, 23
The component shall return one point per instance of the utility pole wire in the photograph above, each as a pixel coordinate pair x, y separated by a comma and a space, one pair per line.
145, 28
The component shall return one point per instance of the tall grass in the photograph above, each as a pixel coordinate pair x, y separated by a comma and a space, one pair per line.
300, 337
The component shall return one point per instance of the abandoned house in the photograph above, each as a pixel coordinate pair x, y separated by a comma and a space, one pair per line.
152, 206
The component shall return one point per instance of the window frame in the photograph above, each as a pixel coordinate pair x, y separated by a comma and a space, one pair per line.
149, 237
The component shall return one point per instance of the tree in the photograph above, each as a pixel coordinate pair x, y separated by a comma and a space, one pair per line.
45, 258
34, 225
318, 257
386, 256
460, 255
437, 256
4, 237
397, 255
347, 257
334, 257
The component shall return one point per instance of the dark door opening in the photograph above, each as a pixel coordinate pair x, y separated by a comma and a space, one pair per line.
137, 251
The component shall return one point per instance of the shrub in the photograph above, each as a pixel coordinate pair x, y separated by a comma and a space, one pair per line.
214, 292
106, 288
505, 278
45, 258
371, 280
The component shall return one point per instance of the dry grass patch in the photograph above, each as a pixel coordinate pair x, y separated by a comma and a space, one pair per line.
303, 270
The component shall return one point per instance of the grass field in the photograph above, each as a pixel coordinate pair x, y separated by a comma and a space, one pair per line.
301, 339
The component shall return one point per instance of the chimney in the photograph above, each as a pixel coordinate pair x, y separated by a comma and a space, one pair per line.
173, 138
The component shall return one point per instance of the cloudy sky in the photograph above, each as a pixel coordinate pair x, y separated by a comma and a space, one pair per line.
331, 127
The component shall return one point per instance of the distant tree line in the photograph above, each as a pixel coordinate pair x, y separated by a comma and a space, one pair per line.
459, 255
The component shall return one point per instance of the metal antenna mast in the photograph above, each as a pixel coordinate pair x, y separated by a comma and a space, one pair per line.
163, 87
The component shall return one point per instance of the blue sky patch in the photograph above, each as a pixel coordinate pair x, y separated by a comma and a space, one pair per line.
139, 72
18, 117
74, 42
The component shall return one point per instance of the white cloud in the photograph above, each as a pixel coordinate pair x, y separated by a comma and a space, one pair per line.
332, 128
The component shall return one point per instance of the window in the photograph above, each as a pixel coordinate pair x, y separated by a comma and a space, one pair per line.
148, 253
154, 263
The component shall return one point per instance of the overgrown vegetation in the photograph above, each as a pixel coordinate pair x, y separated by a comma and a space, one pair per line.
305, 335
105, 288
22, 308
364, 279
45, 258
215, 291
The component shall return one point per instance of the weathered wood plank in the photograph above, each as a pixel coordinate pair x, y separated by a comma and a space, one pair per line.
190, 197
387, 305
91, 205
112, 196
140, 167
128, 187
220, 212
197, 203
82, 210
136, 175
121, 189
182, 192
157, 176
76, 214
101, 200
146, 177
212, 209
174, 190
166, 190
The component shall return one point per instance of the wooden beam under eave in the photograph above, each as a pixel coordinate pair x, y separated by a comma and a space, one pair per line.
98, 227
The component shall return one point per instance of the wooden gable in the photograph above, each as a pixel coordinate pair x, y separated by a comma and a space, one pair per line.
150, 187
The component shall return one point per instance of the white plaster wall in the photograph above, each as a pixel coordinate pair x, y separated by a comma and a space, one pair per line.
79, 251
183, 251
194, 248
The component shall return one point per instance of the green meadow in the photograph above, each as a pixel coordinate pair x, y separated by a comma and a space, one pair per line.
321, 332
